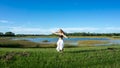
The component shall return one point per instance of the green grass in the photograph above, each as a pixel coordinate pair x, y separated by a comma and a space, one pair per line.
80, 57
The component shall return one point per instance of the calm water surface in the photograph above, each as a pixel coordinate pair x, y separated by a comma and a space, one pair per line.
72, 41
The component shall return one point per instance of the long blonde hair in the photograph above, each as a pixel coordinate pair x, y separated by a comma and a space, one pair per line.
61, 31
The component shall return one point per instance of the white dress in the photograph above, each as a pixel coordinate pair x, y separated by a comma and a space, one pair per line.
60, 44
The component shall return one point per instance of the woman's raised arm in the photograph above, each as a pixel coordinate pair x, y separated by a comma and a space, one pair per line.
64, 36
57, 33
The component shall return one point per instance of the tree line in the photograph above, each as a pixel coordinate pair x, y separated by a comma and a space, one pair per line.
93, 34
69, 34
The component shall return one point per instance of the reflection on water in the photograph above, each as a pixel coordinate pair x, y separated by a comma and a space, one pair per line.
72, 41
114, 41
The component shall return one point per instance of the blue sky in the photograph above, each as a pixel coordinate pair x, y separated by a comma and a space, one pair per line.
45, 16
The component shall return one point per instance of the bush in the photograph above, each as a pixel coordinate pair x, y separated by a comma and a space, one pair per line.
9, 34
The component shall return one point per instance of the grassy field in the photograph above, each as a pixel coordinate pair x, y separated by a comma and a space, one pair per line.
79, 57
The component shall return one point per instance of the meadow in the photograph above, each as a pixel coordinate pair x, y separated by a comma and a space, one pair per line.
26, 54
80, 57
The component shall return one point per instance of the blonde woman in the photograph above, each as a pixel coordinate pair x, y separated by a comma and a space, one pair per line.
60, 42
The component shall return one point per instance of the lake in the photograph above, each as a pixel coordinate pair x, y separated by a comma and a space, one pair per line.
73, 41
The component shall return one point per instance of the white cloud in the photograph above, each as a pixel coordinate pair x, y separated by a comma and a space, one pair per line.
25, 30
82, 29
4, 21
113, 28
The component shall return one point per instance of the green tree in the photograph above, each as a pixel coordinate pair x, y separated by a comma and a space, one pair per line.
9, 34
1, 34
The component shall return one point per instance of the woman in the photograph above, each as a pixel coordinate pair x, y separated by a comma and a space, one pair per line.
60, 42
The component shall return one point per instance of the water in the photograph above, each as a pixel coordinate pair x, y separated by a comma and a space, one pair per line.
38, 40
73, 41
114, 42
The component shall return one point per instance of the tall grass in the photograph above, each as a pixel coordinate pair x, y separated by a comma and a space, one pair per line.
91, 42
82, 57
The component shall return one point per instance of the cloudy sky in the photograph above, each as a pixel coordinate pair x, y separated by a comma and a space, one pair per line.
45, 16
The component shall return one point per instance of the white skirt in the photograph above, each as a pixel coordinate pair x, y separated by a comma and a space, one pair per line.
60, 45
